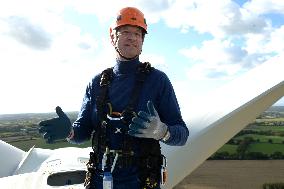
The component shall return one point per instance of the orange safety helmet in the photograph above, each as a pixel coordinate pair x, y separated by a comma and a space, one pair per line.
130, 16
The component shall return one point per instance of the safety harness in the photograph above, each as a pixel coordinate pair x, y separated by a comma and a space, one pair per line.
150, 162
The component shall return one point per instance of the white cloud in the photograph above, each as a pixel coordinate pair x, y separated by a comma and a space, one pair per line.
240, 21
44, 61
219, 18
155, 6
106, 10
270, 41
242, 36
275, 44
265, 6
25, 32
215, 59
66, 57
158, 61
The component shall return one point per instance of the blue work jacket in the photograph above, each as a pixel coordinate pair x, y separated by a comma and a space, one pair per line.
157, 88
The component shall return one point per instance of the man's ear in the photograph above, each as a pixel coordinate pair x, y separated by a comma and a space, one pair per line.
112, 36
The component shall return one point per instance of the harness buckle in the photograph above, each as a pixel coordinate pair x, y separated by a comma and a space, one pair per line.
110, 117
113, 115
127, 116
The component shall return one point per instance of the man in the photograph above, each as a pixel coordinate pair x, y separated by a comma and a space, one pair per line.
127, 110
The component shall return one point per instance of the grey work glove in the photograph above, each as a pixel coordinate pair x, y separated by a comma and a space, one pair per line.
55, 128
148, 125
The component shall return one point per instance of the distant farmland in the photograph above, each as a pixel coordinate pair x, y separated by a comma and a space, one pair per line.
234, 174
262, 139
40, 143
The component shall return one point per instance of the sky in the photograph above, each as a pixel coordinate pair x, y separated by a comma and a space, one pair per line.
50, 50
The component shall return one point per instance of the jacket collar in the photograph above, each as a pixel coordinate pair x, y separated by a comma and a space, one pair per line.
126, 67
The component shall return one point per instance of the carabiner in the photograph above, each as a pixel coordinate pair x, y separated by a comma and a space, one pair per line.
164, 172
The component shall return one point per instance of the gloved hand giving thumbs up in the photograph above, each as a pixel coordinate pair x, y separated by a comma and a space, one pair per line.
55, 128
148, 125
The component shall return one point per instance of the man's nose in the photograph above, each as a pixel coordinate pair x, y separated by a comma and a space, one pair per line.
131, 36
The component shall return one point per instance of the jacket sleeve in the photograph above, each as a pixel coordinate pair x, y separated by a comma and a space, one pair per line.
83, 126
169, 112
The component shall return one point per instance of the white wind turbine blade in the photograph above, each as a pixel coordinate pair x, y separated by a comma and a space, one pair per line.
217, 117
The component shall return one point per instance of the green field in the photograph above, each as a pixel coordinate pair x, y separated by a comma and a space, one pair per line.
266, 148
231, 149
40, 143
263, 138
268, 128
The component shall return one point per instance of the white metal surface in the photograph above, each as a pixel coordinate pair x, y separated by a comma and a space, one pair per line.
212, 121
57, 161
9, 159
33, 160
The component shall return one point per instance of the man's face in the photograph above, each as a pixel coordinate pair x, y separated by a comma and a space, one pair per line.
128, 41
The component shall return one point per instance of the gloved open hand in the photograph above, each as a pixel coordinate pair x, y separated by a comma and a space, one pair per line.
55, 128
148, 125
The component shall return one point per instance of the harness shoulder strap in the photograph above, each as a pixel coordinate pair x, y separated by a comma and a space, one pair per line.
106, 77
142, 72
99, 140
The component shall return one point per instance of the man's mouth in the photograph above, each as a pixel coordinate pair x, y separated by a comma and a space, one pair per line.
130, 45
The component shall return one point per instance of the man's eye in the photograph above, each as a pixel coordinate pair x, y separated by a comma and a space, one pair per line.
124, 32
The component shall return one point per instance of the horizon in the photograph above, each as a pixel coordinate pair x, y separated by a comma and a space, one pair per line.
76, 111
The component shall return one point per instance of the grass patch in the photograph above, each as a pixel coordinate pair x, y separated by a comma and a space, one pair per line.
263, 138
266, 148
231, 149
268, 128
40, 143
